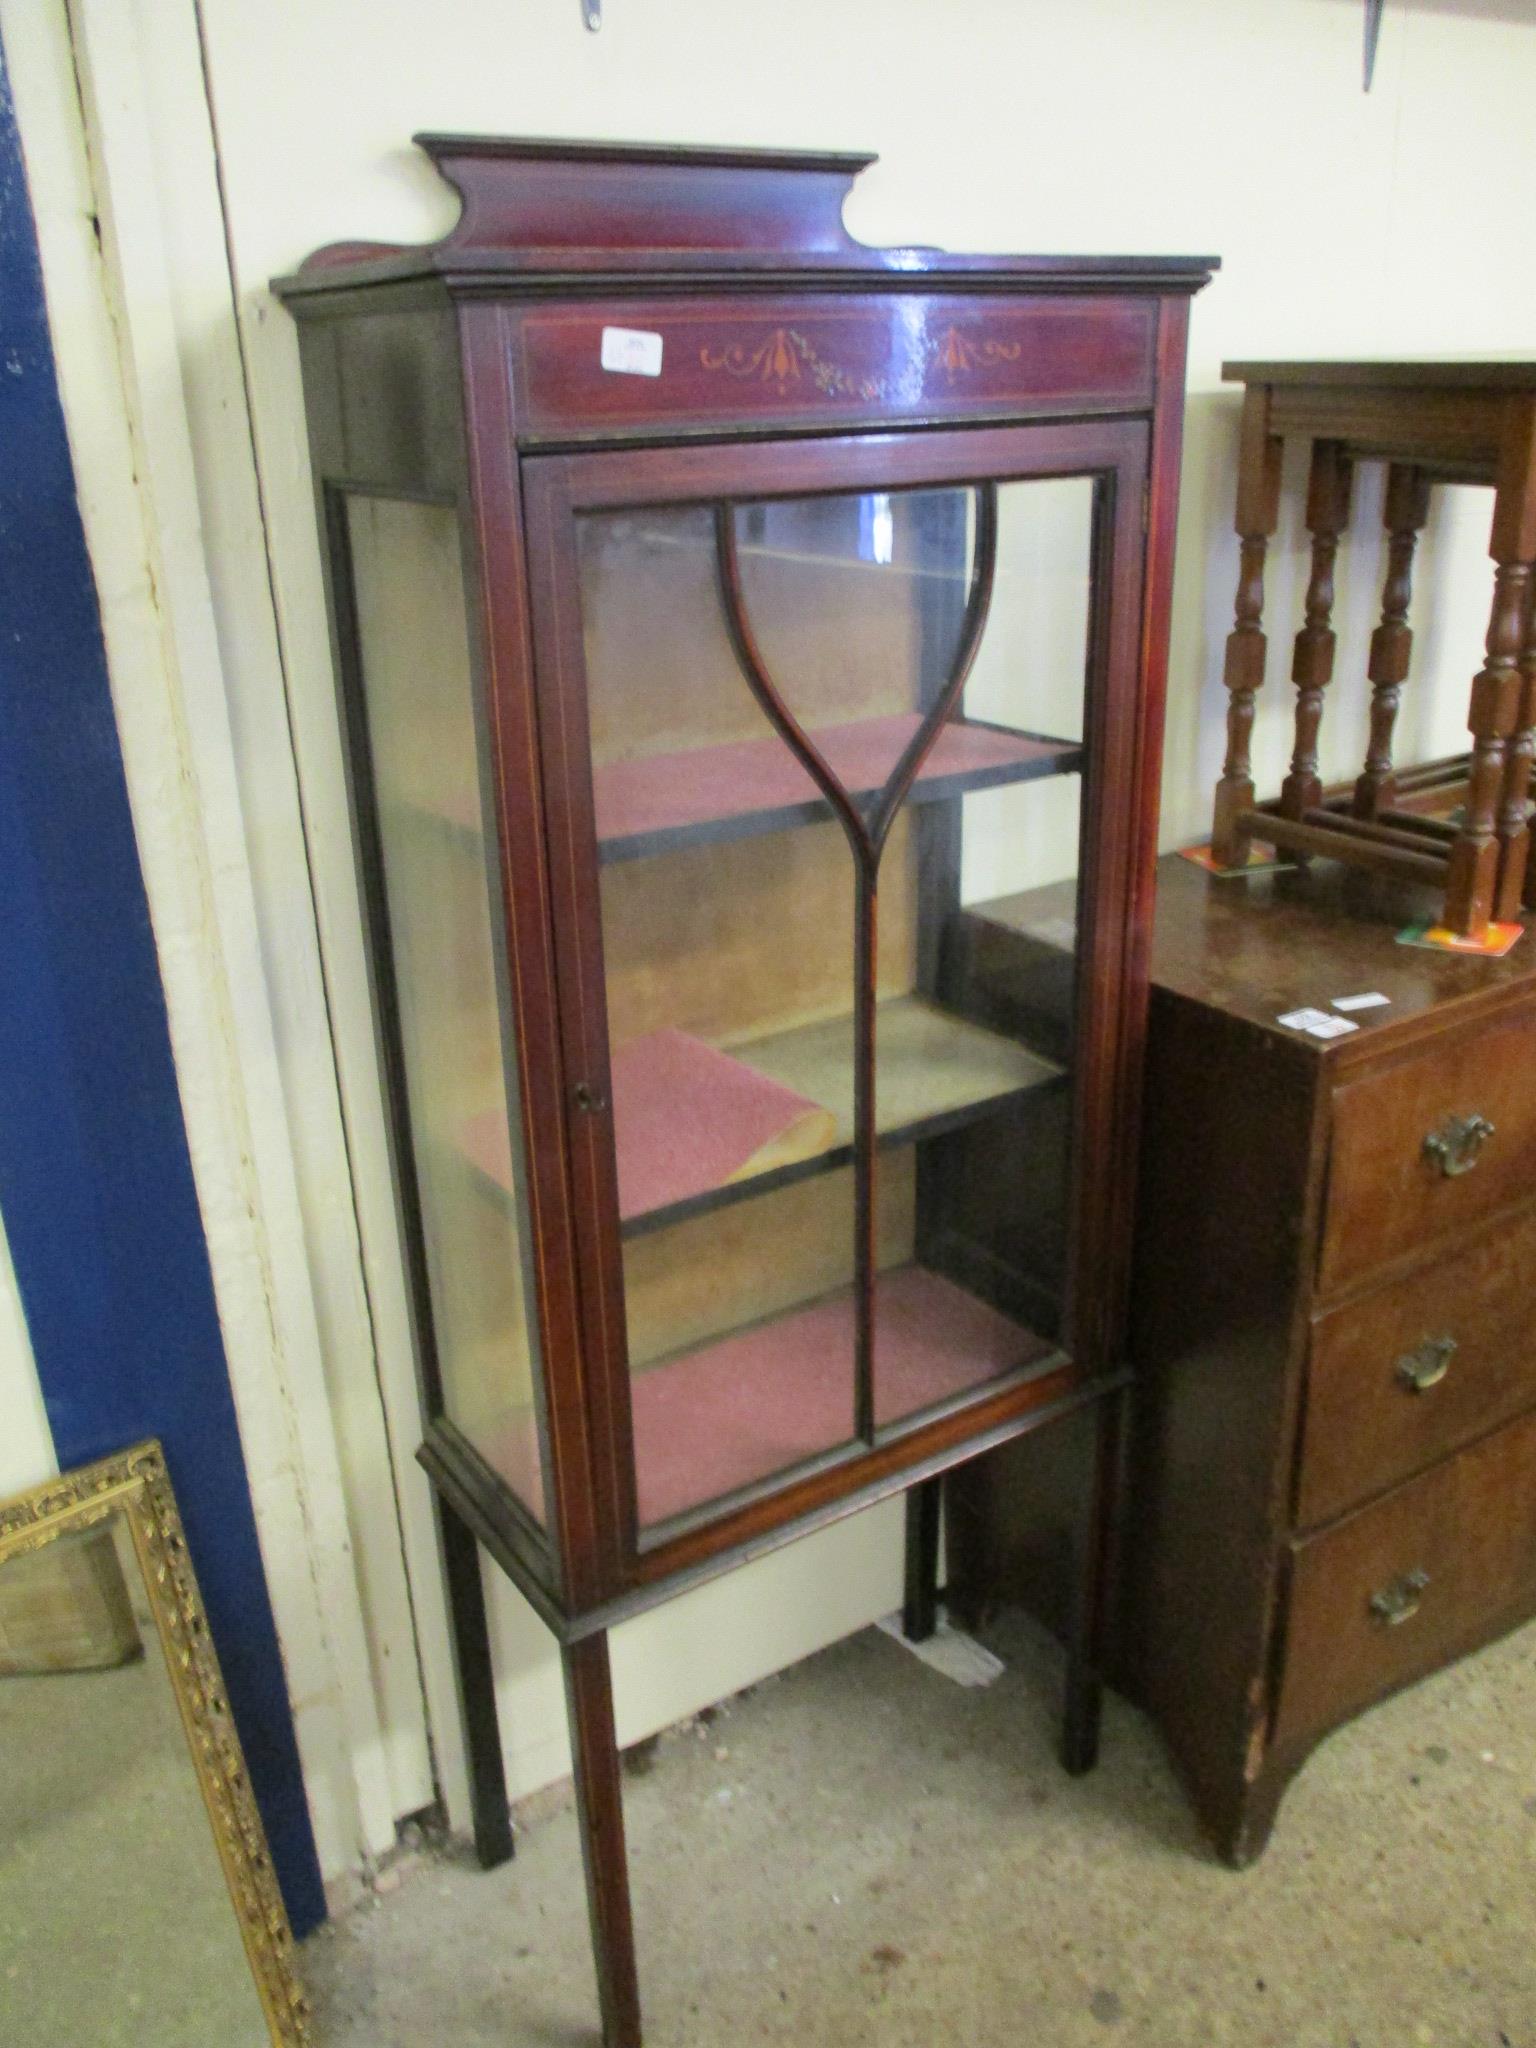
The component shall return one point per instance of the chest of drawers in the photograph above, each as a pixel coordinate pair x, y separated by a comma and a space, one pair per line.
1331, 1484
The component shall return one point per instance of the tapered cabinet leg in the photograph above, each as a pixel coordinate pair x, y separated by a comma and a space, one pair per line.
600, 1815
491, 1811
1086, 1643
919, 1611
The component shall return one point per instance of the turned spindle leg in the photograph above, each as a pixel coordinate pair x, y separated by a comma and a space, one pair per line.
1517, 878
1258, 507
1496, 691
1499, 687
1312, 666
1407, 508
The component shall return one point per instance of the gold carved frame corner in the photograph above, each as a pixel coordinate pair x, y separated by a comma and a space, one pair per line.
136, 1485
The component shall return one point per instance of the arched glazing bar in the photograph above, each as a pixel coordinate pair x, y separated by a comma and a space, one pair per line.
866, 838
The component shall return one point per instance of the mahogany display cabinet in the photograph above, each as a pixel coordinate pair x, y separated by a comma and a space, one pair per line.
728, 617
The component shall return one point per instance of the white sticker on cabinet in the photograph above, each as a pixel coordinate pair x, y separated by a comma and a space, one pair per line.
631, 351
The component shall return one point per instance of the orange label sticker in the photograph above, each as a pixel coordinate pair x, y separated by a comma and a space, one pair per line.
1259, 858
1493, 945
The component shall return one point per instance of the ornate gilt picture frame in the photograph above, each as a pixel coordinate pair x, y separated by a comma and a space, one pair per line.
136, 1486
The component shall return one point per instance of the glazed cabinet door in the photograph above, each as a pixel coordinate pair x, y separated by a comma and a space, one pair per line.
840, 748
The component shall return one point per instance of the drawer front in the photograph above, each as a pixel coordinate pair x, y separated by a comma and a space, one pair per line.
1402, 1375
704, 363
1407, 1164
1401, 1587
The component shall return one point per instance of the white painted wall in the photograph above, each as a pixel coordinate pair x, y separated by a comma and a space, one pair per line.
26, 1445
1347, 225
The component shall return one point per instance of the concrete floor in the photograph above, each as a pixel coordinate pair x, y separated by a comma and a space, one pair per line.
860, 1852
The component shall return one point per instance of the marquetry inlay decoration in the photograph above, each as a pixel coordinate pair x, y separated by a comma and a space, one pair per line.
787, 360
958, 350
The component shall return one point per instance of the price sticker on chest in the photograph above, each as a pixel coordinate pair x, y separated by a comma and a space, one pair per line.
631, 352
1317, 1023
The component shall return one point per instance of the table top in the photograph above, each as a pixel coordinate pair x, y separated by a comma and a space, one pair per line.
1261, 945
1445, 373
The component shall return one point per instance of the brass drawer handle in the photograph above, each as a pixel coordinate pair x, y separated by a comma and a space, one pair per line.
1399, 1602
1453, 1149
1420, 1370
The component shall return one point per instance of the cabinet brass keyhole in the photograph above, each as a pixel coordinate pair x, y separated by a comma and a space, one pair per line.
1399, 1602
1454, 1148
588, 1097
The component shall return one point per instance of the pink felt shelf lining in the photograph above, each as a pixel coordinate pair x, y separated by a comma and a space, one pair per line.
667, 792
686, 1118
769, 1397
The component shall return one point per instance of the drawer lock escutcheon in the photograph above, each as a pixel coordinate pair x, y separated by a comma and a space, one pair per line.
1420, 1370
1399, 1602
1454, 1148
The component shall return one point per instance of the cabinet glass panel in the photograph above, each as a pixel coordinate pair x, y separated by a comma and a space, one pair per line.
454, 1038
827, 733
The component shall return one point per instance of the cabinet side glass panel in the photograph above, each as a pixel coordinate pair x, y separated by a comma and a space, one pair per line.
454, 1038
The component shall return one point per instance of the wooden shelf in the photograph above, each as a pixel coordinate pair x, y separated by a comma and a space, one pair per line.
749, 1405
659, 802
933, 1072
